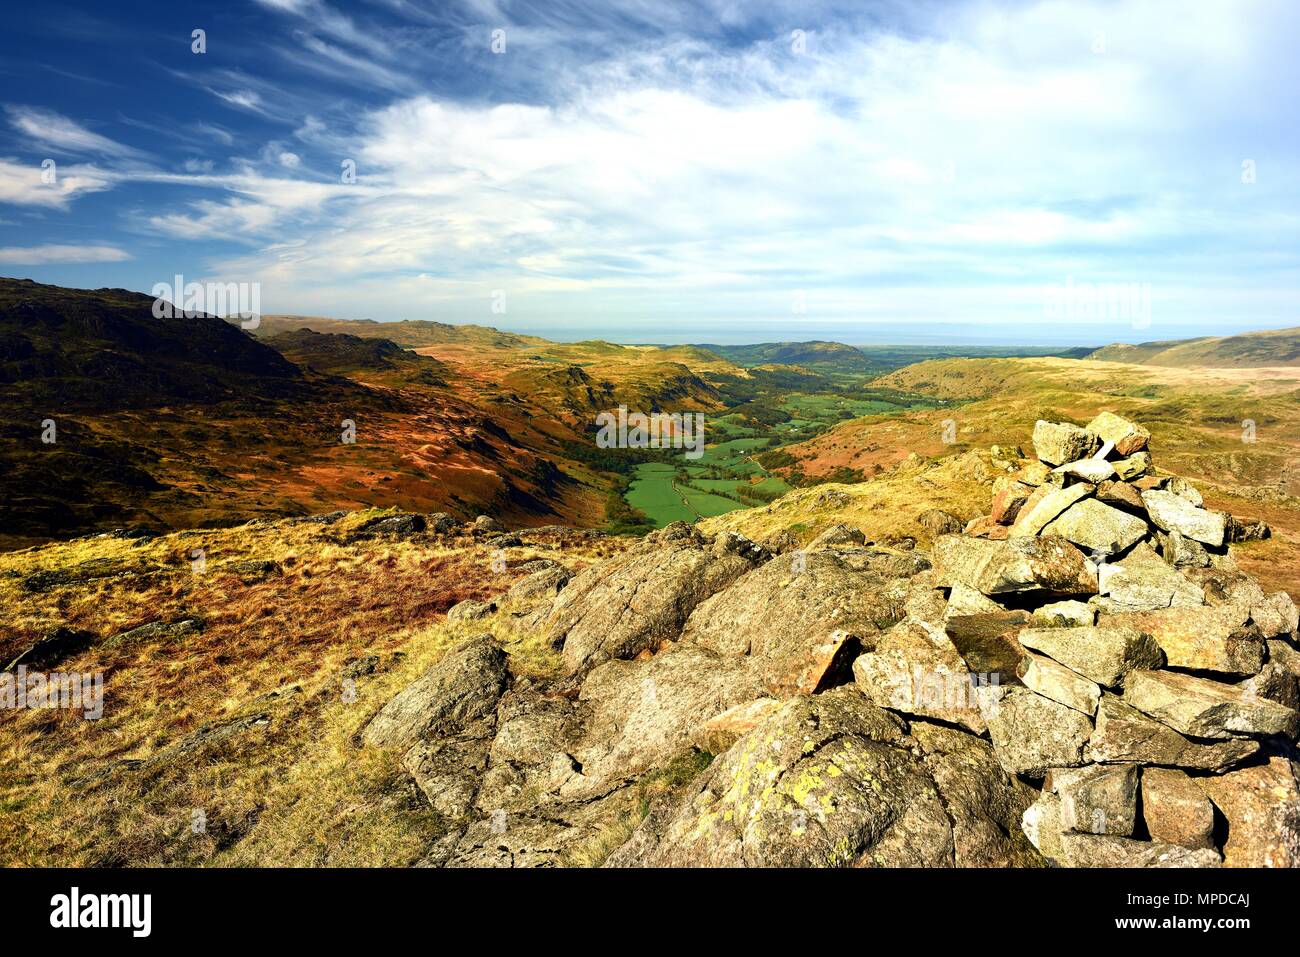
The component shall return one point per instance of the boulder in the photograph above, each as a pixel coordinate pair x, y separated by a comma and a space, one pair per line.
1059, 614
1052, 680
1096, 799
487, 524
828, 780
964, 600
1174, 513
1056, 443
983, 801
1041, 823
1275, 683
723, 730
1183, 552
1142, 581
52, 648
155, 631
640, 714
634, 602
803, 618
916, 670
1219, 639
1275, 614
1092, 470
1262, 806
1243, 530
838, 535
1034, 474
1175, 809
1031, 733
1103, 653
1109, 850
1008, 496
1126, 436
543, 583
938, 522
1134, 467
464, 685
1185, 490
1124, 735
986, 527
1122, 496
1097, 527
1050, 565
448, 771
1206, 709
470, 610
988, 642
1044, 505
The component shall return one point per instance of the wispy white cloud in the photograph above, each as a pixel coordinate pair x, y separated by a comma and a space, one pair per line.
44, 255
26, 184
950, 172
54, 131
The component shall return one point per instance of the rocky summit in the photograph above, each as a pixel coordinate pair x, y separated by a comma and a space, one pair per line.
1084, 678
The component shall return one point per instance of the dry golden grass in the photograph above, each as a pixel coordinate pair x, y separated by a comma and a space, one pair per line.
288, 785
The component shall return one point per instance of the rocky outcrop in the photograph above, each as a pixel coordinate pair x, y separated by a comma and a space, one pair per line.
463, 686
1099, 687
634, 602
833, 780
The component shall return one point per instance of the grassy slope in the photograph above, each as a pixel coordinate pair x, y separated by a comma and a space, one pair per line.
294, 790
1274, 347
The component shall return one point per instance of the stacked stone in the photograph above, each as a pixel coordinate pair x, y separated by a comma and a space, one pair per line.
1125, 665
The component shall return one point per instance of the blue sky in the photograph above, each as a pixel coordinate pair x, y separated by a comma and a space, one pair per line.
646, 171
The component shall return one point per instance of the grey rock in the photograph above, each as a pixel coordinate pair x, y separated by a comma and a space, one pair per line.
464, 685
1206, 709
1043, 506
1097, 527
1098, 798
470, 610
1107, 850
1125, 735
828, 780
1053, 680
1031, 733
795, 616
1049, 565
1174, 513
938, 522
1103, 653
1056, 443
638, 600
1142, 581
916, 670
837, 535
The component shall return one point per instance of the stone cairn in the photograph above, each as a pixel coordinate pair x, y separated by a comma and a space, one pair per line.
1120, 660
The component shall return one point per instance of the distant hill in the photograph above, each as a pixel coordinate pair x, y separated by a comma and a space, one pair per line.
1276, 347
103, 349
814, 354
342, 354
408, 333
111, 417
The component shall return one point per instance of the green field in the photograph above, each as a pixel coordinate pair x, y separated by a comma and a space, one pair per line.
727, 476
